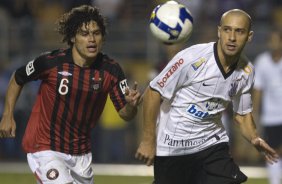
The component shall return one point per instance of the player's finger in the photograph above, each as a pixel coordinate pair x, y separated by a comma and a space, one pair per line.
135, 85
126, 91
149, 162
13, 133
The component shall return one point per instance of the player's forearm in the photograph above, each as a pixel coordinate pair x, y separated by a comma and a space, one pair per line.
257, 94
12, 95
128, 112
247, 126
151, 106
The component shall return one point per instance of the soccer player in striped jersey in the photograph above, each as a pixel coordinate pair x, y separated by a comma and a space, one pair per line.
75, 84
183, 134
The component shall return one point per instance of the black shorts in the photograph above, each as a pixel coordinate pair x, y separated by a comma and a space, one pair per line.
211, 166
273, 136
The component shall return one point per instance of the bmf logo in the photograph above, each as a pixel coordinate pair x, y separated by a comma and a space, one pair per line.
197, 113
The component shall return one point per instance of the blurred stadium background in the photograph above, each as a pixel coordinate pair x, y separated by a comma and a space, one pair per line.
27, 29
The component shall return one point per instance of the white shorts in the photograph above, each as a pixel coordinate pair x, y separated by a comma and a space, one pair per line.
51, 167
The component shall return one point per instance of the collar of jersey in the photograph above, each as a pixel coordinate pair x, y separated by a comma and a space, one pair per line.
232, 68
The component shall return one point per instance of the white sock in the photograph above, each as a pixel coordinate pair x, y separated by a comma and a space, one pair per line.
274, 172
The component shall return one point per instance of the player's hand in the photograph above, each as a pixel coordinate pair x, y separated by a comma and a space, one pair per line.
270, 154
7, 127
133, 96
146, 152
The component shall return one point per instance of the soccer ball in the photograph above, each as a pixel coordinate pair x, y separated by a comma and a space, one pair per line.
171, 22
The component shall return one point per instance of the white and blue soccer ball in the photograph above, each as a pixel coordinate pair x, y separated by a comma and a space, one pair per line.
171, 22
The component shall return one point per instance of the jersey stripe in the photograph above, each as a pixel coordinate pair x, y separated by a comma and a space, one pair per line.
70, 69
73, 131
55, 112
84, 121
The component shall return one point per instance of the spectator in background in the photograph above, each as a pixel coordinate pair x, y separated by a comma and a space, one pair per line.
75, 83
267, 96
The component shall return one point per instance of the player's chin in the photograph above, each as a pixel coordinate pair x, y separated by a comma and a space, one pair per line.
91, 55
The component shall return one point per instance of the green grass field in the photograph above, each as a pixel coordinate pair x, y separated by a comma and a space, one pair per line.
29, 179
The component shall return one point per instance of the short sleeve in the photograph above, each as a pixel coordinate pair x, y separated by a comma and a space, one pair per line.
31, 71
171, 78
242, 103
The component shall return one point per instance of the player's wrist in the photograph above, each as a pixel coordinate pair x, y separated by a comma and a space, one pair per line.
256, 140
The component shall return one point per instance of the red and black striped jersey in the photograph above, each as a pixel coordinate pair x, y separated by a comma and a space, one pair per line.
69, 101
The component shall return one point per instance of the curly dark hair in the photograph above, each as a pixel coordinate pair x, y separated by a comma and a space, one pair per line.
70, 22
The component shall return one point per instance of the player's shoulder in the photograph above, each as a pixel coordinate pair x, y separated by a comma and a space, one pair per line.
198, 50
107, 61
53, 54
245, 65
109, 64
201, 47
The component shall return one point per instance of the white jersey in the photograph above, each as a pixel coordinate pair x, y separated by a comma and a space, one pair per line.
195, 91
269, 80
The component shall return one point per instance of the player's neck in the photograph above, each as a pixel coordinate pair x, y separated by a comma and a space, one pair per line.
81, 61
228, 62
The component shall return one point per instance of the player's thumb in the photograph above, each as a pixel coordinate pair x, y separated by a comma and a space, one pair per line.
13, 132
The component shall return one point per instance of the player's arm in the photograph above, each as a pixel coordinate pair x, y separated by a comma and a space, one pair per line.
257, 96
7, 124
151, 105
133, 99
248, 130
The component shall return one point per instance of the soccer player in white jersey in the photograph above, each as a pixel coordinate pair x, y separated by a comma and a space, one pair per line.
268, 99
182, 130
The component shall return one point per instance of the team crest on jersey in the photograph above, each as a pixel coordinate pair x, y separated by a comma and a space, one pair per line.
52, 174
233, 90
97, 84
199, 63
64, 73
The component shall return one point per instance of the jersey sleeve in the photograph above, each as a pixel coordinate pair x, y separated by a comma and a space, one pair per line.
242, 103
171, 77
31, 71
119, 84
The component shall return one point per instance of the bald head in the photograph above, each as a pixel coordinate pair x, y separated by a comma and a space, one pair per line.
239, 13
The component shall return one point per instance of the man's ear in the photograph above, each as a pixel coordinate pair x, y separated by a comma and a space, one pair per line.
218, 31
250, 37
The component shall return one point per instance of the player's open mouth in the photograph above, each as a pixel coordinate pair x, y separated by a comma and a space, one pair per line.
91, 48
231, 47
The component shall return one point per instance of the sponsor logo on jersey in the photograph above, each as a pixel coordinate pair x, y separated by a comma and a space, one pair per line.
182, 142
197, 64
52, 174
29, 68
64, 73
170, 72
212, 104
123, 85
193, 110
